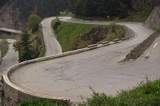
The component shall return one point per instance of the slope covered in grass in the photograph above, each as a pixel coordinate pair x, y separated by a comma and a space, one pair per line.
74, 36
43, 102
68, 32
144, 95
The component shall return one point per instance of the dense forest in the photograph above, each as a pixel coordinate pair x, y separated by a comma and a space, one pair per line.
3, 2
19, 10
44, 8
109, 8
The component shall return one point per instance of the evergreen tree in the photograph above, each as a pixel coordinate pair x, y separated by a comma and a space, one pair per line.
25, 49
102, 8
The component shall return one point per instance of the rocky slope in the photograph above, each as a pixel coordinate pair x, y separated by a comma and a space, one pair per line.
14, 13
154, 19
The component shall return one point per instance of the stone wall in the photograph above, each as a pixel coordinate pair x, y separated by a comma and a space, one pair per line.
12, 97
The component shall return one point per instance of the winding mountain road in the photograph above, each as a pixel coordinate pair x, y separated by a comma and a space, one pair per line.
52, 45
72, 77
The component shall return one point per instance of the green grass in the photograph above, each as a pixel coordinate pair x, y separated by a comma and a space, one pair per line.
74, 36
4, 46
144, 95
68, 32
43, 102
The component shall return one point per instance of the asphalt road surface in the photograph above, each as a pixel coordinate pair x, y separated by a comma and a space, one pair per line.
73, 77
10, 59
52, 45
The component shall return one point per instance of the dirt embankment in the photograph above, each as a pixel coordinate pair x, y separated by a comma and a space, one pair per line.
141, 48
100, 34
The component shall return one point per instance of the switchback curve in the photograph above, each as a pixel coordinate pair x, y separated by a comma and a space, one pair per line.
71, 76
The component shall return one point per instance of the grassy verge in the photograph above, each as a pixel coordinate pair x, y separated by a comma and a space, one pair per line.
144, 95
67, 34
4, 46
43, 102
140, 49
74, 36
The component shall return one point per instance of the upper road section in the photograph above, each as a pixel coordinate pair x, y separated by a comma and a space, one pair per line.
52, 45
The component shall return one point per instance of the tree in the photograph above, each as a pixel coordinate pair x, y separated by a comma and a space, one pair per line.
33, 22
24, 48
102, 8
56, 23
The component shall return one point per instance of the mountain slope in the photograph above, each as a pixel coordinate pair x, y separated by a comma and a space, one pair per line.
154, 19
14, 13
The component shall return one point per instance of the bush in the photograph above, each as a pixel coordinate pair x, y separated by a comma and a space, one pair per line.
43, 102
25, 49
56, 23
33, 22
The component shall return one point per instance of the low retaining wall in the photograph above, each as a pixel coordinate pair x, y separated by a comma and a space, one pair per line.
12, 94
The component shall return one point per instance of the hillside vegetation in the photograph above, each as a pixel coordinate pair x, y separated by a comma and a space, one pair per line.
132, 10
74, 36
31, 44
144, 95
17, 11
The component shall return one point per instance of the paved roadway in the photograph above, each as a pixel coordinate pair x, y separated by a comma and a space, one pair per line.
52, 45
10, 59
72, 77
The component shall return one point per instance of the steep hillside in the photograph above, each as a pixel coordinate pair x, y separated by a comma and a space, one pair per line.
15, 12
112, 9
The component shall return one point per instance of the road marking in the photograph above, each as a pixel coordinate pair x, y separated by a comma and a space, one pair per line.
155, 45
148, 54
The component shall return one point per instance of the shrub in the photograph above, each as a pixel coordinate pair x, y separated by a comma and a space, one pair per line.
26, 51
56, 23
43, 102
144, 95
